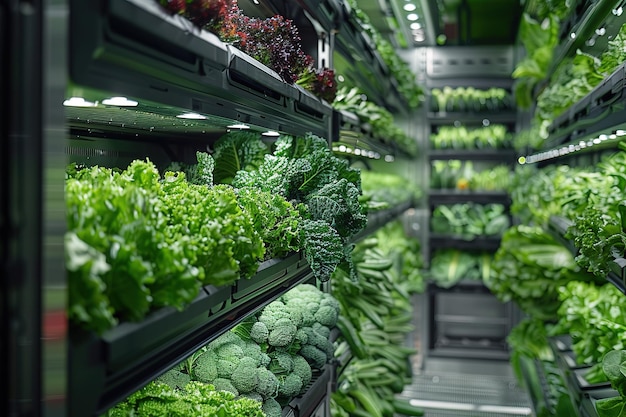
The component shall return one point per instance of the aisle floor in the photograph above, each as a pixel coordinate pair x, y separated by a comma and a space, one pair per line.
447, 387
467, 387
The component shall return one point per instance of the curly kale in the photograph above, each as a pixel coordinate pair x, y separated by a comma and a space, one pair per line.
323, 187
337, 203
276, 175
323, 247
235, 151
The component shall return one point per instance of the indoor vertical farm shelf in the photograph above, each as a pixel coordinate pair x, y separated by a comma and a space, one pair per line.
150, 94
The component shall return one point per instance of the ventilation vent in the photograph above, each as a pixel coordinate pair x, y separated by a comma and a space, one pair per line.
445, 62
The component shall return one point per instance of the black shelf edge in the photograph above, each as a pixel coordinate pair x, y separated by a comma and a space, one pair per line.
557, 227
136, 49
475, 351
537, 385
501, 155
573, 373
352, 138
462, 286
583, 25
593, 124
365, 65
589, 400
589, 109
488, 243
308, 403
105, 370
328, 13
443, 196
378, 219
502, 116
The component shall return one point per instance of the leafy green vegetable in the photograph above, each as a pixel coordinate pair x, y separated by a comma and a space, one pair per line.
494, 136
380, 119
470, 220
594, 316
323, 247
539, 39
529, 268
529, 338
237, 150
122, 216
275, 219
200, 173
461, 99
304, 170
614, 366
197, 399
449, 266
390, 189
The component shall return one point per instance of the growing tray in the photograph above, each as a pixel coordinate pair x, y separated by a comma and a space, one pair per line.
448, 196
105, 370
487, 243
378, 219
499, 155
315, 398
134, 48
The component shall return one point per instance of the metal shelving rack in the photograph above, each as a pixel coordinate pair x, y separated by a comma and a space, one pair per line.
457, 325
131, 48
582, 135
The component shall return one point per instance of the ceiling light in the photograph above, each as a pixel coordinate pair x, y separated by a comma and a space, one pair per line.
409, 7
412, 16
79, 102
192, 116
271, 134
415, 25
238, 126
119, 101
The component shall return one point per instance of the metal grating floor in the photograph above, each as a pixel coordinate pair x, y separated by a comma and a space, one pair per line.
464, 386
454, 387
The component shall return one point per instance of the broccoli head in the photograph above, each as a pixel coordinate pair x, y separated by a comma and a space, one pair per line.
253, 396
223, 384
321, 329
244, 377
315, 357
302, 368
326, 316
282, 362
289, 386
174, 379
259, 332
205, 367
283, 333
272, 312
267, 383
272, 408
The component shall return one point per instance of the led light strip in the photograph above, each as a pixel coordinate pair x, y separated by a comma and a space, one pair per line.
485, 408
566, 150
